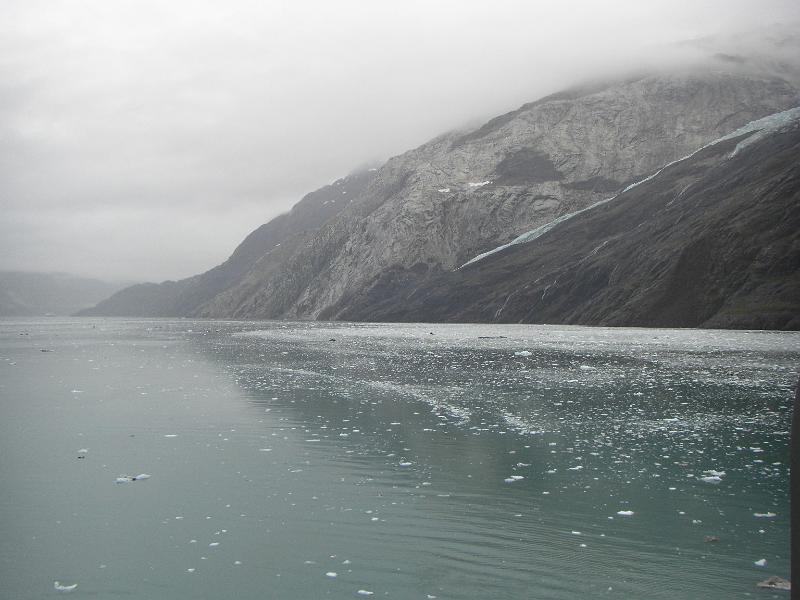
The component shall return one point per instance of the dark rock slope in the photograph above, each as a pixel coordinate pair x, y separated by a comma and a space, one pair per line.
711, 241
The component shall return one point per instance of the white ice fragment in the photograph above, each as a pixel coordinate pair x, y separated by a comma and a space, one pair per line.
576, 468
766, 515
711, 479
625, 513
190, 570
761, 563
478, 184
405, 464
513, 478
713, 473
523, 353
141, 476
237, 562
364, 593
213, 544
444, 190
331, 574
64, 588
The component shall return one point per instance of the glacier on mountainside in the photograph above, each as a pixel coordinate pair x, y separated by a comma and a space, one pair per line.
760, 128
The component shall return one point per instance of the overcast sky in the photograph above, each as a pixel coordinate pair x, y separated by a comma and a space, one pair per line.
142, 139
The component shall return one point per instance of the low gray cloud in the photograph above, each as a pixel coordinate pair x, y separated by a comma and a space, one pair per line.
143, 140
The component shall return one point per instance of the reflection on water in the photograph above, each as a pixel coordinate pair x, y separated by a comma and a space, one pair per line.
307, 460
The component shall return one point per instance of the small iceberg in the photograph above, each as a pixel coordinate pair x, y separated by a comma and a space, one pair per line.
130, 478
625, 513
766, 515
523, 353
775, 583
513, 478
761, 563
64, 588
711, 479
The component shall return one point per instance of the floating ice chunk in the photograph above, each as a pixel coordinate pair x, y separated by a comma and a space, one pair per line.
237, 562
625, 513
478, 184
711, 479
444, 190
64, 588
523, 353
766, 515
405, 464
190, 570
129, 478
213, 544
713, 473
364, 593
761, 563
513, 478
576, 468
331, 574
83, 452
576, 533
775, 583
170, 435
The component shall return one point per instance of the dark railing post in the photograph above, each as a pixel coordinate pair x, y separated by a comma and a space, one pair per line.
794, 449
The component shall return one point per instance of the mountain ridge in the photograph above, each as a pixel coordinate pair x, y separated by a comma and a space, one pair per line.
429, 210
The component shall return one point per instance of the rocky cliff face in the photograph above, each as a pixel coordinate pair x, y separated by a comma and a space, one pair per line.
710, 241
431, 209
428, 211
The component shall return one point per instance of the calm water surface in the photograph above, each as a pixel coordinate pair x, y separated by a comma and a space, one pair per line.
308, 460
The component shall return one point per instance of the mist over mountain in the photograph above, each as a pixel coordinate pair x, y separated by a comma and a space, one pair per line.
373, 244
36, 294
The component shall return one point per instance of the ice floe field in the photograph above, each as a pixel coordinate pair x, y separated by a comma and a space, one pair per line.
182, 459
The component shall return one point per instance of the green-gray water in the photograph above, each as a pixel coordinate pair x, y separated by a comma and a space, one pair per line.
309, 460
